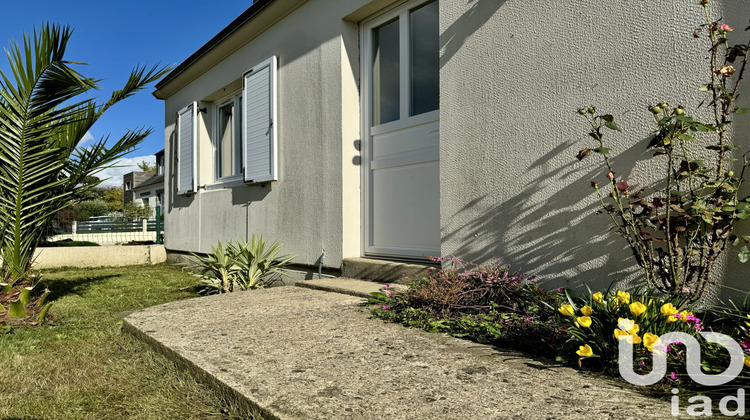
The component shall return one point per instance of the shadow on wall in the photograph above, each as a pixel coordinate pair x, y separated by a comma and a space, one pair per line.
555, 234
455, 36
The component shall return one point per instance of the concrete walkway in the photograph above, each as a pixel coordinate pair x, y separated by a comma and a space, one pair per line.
308, 354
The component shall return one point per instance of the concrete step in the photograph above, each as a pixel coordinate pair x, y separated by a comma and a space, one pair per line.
306, 354
384, 271
353, 287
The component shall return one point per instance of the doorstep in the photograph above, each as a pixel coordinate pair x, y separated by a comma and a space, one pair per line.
384, 271
353, 287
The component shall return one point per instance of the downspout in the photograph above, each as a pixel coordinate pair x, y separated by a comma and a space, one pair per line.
320, 265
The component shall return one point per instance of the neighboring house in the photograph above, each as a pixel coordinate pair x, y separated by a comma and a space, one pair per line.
404, 129
145, 188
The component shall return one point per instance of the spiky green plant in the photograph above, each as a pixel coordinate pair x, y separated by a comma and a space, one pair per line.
42, 122
257, 260
241, 266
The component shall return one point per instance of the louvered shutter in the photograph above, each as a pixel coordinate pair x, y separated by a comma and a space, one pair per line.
187, 136
259, 122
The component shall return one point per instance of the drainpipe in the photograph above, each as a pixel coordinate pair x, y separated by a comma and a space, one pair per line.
320, 265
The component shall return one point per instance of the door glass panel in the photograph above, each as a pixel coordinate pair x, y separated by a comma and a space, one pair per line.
425, 59
385, 71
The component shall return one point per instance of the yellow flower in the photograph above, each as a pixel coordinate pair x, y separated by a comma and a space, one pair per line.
668, 309
586, 310
748, 323
624, 335
637, 308
651, 340
623, 297
747, 361
628, 325
598, 297
566, 310
584, 321
585, 351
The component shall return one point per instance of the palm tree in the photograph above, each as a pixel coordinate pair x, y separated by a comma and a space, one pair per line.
42, 121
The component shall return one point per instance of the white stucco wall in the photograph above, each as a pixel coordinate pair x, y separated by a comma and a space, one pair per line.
318, 125
513, 73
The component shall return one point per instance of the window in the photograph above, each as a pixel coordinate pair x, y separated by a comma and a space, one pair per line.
228, 138
405, 64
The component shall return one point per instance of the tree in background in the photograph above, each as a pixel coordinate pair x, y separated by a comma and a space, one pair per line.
45, 111
90, 208
134, 211
147, 167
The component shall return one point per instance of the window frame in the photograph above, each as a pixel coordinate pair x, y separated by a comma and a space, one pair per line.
235, 98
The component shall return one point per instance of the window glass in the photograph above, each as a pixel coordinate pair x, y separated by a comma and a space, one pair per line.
228, 140
425, 59
386, 83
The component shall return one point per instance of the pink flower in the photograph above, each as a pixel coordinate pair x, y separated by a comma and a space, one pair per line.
726, 28
385, 307
622, 186
387, 287
527, 319
559, 289
388, 294
674, 376
642, 363
669, 348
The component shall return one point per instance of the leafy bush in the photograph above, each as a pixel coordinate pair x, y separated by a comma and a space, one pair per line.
134, 211
91, 208
678, 229
488, 304
241, 266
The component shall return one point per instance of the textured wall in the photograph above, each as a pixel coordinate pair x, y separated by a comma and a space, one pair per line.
513, 72
305, 208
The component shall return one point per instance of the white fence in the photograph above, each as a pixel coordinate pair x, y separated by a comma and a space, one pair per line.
111, 233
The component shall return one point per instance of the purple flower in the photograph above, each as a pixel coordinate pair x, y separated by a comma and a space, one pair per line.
669, 348
745, 344
674, 376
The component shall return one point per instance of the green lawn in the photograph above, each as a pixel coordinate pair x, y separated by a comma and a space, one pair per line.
84, 366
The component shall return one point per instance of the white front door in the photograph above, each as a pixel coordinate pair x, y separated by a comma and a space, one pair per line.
401, 129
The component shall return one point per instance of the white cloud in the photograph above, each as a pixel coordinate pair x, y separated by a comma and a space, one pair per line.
86, 138
113, 176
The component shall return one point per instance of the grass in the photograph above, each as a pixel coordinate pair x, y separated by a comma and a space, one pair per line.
84, 366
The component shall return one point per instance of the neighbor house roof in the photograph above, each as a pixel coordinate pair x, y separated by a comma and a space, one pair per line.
241, 20
156, 179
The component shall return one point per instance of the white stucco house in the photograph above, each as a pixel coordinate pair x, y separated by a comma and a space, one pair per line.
393, 129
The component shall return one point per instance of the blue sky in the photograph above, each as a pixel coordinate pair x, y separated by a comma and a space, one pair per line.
113, 37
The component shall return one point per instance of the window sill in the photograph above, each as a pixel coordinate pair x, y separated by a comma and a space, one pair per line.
224, 183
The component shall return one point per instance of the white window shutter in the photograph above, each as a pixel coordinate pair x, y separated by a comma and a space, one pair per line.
187, 137
259, 125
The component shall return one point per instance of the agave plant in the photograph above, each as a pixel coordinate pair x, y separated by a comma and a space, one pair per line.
241, 265
43, 119
219, 272
257, 261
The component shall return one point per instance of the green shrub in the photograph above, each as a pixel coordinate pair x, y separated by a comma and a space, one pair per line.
134, 211
488, 304
91, 208
241, 266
